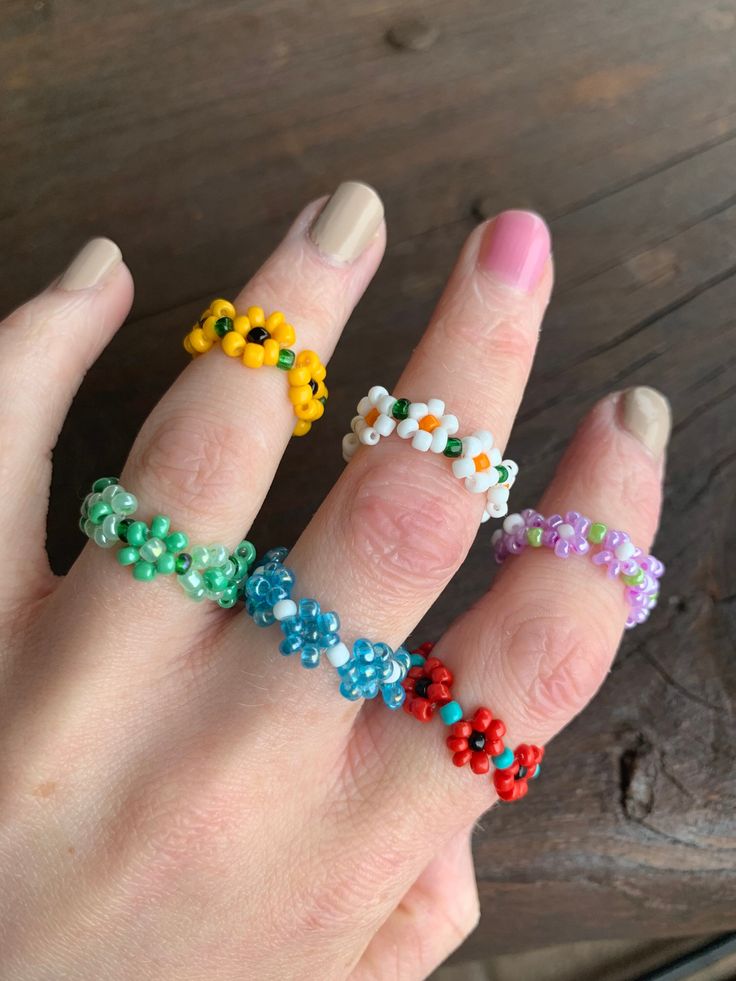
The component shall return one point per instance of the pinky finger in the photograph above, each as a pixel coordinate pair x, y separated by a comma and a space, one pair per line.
437, 914
48, 345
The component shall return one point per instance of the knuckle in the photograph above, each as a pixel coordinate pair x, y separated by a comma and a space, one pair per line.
192, 459
553, 663
406, 525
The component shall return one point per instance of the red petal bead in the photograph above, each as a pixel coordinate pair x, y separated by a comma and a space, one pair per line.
507, 794
407, 706
496, 747
439, 693
441, 675
524, 754
415, 672
497, 730
431, 663
503, 780
482, 719
479, 762
460, 759
461, 728
422, 709
457, 743
426, 647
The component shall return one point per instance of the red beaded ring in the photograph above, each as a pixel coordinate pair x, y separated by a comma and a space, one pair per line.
476, 741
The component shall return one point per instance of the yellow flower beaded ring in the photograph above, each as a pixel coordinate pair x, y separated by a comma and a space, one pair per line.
260, 340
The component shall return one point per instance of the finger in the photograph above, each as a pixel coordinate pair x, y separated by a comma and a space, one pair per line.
436, 915
536, 648
48, 344
208, 452
398, 524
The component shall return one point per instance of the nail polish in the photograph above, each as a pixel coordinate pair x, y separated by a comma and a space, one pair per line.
348, 222
91, 265
515, 248
646, 414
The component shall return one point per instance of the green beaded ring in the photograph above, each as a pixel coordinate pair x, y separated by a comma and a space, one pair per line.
204, 572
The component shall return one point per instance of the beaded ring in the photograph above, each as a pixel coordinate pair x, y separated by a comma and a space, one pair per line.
574, 534
366, 671
476, 740
151, 550
260, 340
475, 460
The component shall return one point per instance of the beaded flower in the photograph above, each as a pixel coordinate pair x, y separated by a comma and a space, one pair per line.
428, 684
476, 740
512, 782
375, 668
307, 390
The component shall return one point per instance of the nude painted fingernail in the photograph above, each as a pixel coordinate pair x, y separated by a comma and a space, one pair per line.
92, 265
348, 222
515, 248
646, 414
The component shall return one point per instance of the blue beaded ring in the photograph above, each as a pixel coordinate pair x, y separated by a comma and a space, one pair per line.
366, 671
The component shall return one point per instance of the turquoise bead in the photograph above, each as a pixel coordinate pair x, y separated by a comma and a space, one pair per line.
504, 760
137, 533
127, 555
416, 660
451, 713
177, 541
144, 571
166, 564
160, 526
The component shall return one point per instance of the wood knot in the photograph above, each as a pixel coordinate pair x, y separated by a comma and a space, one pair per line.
412, 34
639, 767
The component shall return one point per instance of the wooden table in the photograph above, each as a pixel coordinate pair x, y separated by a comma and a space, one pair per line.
191, 131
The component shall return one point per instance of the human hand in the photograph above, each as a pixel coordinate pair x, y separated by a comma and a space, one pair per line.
180, 802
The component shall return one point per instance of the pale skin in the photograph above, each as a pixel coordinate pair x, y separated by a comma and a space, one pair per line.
177, 800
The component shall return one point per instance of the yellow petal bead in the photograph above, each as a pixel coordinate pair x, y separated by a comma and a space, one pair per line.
302, 427
270, 351
253, 355
319, 373
233, 344
208, 327
188, 346
222, 308
321, 392
241, 325
308, 358
319, 409
299, 394
284, 334
308, 410
299, 376
273, 320
256, 316
199, 341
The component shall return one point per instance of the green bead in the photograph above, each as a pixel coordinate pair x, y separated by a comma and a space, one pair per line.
229, 598
82, 522
400, 409
454, 447
102, 482
246, 550
166, 564
144, 571
125, 523
177, 541
286, 359
223, 325
534, 537
127, 556
214, 580
183, 563
137, 533
99, 511
635, 579
597, 533
503, 474
160, 526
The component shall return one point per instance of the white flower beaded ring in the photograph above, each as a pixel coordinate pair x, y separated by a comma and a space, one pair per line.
475, 460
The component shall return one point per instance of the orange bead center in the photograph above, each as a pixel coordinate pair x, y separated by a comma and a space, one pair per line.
372, 416
481, 462
429, 423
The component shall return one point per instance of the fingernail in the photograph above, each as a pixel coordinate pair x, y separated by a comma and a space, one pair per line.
92, 265
646, 414
348, 222
515, 248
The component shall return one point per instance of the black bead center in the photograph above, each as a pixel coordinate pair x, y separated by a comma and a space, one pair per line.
314, 386
421, 687
257, 335
477, 740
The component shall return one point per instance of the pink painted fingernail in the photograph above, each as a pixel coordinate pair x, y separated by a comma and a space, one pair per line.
515, 248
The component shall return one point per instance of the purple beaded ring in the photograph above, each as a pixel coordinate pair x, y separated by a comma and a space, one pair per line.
575, 534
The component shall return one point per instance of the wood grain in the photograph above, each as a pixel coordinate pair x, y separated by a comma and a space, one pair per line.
191, 131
